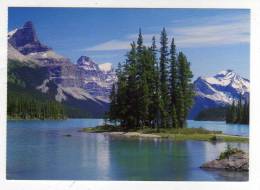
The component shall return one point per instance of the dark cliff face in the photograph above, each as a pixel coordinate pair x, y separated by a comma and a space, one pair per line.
25, 40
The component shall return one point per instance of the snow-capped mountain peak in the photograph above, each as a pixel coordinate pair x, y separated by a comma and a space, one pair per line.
219, 90
105, 67
224, 73
229, 78
227, 75
11, 33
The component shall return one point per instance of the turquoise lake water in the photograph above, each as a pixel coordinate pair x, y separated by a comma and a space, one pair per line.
41, 150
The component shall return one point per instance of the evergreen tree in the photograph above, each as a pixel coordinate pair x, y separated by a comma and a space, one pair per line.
246, 113
24, 106
233, 112
148, 92
139, 63
174, 117
164, 78
121, 96
238, 112
173, 84
185, 86
132, 88
180, 108
229, 114
113, 105
150, 80
139, 77
140, 42
145, 61
156, 88
144, 102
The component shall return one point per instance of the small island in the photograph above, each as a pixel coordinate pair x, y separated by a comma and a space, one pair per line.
176, 134
231, 159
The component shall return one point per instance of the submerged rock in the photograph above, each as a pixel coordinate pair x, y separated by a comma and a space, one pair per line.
235, 162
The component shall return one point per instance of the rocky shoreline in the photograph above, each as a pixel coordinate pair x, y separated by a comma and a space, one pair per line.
235, 162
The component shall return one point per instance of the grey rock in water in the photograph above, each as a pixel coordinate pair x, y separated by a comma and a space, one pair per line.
235, 162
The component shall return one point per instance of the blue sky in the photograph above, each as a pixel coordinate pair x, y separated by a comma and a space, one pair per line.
212, 39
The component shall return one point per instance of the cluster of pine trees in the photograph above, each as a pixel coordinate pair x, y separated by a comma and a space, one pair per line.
24, 107
238, 112
150, 91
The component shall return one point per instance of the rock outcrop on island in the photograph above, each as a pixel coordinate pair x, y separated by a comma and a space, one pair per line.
235, 162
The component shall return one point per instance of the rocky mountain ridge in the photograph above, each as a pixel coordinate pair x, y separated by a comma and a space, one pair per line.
219, 90
68, 82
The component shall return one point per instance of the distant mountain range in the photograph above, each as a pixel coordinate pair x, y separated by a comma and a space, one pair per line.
218, 91
85, 86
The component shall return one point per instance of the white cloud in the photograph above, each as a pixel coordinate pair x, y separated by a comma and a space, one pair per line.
212, 35
110, 45
206, 32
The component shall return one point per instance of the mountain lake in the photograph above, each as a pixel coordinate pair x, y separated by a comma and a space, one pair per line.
43, 150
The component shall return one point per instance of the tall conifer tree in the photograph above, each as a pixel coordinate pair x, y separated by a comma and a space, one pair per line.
164, 79
173, 84
149, 92
113, 105
186, 86
156, 93
132, 88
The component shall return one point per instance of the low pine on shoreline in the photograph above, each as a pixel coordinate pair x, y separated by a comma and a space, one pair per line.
228, 152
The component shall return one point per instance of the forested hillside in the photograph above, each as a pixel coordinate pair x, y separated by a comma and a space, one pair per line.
212, 114
238, 112
24, 105
25, 102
